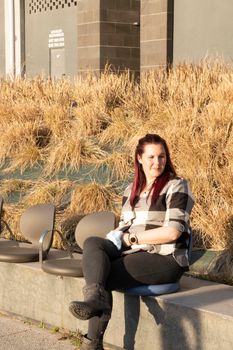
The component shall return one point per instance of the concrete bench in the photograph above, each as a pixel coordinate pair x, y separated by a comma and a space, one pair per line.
198, 317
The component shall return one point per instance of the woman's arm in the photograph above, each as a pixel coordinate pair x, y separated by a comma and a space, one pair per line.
158, 235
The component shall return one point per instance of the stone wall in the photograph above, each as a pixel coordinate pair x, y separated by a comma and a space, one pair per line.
156, 33
108, 34
88, 43
120, 34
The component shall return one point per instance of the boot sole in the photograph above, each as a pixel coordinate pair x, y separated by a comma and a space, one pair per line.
82, 311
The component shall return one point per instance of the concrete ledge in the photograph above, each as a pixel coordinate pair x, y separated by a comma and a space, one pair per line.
198, 317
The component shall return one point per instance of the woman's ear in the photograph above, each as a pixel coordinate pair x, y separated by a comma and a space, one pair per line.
139, 160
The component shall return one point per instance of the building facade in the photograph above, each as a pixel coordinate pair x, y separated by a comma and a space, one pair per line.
202, 28
60, 38
63, 38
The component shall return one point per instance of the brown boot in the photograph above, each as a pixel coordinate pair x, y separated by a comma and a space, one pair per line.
95, 344
96, 303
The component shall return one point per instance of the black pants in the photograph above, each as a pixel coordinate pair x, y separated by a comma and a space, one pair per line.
104, 264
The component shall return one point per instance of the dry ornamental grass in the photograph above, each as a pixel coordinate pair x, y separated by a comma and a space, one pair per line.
97, 121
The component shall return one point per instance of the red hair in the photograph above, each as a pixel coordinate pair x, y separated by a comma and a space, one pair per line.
139, 177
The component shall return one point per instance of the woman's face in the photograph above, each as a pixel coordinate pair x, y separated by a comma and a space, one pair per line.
153, 161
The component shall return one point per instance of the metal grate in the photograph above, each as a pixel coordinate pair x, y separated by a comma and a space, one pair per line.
36, 6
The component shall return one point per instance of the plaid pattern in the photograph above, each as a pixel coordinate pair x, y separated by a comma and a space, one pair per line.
172, 209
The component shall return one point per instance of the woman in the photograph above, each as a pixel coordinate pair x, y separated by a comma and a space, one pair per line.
154, 227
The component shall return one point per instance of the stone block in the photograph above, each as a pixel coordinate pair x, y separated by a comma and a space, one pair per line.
134, 52
86, 40
135, 5
107, 27
154, 6
154, 26
111, 15
110, 4
88, 58
88, 29
124, 5
109, 39
88, 16
85, 5
153, 53
132, 40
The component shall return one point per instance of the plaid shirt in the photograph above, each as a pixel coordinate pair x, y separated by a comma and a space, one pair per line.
172, 209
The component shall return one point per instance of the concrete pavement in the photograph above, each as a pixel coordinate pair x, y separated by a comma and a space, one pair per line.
20, 334
16, 334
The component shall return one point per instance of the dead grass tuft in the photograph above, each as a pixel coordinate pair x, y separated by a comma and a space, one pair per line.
72, 152
8, 187
120, 165
11, 215
48, 192
93, 197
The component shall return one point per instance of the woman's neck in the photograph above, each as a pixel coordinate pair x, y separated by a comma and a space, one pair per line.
148, 186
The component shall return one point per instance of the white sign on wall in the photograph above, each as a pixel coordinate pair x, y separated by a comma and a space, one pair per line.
56, 38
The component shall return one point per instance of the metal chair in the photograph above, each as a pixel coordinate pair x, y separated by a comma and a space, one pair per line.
33, 222
94, 224
61, 266
58, 263
100, 223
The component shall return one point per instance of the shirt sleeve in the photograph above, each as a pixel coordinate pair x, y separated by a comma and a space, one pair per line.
179, 204
125, 203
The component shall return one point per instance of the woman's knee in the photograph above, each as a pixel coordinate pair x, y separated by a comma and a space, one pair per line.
93, 241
